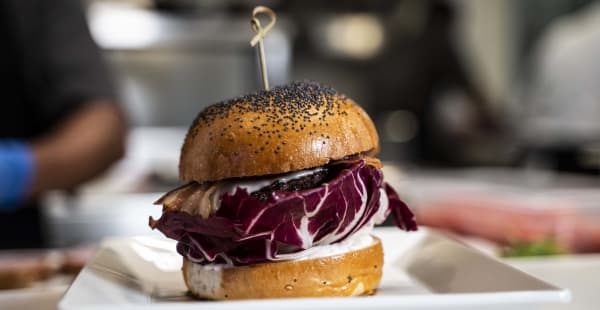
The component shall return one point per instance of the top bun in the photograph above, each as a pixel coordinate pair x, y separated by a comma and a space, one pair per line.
288, 128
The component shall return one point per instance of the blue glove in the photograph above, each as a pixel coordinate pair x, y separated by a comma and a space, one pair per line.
16, 173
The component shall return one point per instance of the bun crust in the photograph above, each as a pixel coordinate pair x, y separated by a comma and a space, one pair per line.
289, 128
350, 274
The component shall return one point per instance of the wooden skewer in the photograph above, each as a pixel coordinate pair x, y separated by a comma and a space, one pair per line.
260, 35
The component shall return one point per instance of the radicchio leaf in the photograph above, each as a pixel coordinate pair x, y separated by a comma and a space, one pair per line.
246, 230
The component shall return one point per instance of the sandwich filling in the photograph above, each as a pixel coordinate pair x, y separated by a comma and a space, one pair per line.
284, 217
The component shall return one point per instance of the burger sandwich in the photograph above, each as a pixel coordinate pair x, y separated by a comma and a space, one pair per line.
282, 190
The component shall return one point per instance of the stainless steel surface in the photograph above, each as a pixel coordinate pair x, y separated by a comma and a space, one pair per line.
170, 66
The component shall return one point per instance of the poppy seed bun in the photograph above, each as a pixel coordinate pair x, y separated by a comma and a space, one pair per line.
289, 128
350, 274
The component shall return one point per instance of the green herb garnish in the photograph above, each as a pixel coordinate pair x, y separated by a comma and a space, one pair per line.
544, 247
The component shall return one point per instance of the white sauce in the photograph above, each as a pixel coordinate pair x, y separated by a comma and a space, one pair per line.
359, 240
205, 278
251, 186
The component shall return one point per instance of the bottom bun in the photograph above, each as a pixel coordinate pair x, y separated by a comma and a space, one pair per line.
349, 274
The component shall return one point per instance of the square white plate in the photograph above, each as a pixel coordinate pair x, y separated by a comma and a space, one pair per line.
423, 270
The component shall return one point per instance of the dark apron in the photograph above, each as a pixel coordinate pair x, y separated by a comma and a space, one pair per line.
20, 228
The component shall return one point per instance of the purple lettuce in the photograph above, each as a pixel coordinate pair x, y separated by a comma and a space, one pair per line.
246, 230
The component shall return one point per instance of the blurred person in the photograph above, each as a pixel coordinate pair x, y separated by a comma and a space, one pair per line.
60, 122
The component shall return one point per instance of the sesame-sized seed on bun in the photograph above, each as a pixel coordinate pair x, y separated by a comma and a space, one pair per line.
288, 128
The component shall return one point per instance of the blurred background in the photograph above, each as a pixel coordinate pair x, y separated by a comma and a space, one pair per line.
502, 94
488, 111
449, 83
